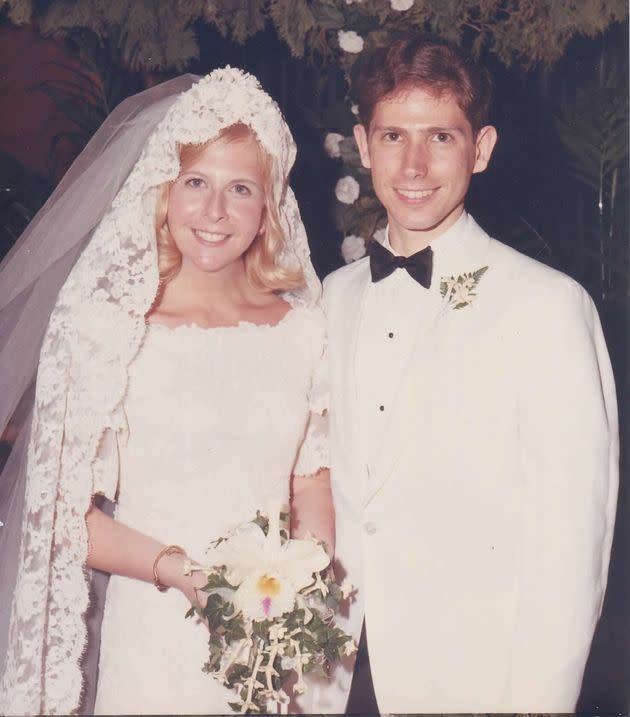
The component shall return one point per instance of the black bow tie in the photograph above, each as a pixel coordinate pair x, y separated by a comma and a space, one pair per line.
418, 265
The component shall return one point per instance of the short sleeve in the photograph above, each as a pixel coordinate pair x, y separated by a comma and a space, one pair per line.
106, 463
313, 453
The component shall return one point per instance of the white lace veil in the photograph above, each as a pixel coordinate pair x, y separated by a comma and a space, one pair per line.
73, 295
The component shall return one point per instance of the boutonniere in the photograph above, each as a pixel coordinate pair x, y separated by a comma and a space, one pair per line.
460, 290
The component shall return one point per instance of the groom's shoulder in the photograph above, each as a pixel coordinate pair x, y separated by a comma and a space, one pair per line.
519, 268
531, 282
341, 278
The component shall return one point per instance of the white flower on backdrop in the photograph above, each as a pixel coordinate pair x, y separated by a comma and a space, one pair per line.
347, 190
331, 144
349, 41
352, 248
401, 5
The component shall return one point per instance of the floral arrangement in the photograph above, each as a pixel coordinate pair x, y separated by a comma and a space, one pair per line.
459, 290
270, 612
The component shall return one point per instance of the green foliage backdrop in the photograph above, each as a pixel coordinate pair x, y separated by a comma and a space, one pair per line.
160, 35
152, 39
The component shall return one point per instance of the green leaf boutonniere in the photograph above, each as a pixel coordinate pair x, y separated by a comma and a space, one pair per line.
460, 290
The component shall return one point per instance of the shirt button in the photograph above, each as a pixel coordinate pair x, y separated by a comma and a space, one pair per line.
391, 334
370, 527
381, 408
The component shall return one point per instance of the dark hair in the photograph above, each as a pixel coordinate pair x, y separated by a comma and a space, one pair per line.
431, 63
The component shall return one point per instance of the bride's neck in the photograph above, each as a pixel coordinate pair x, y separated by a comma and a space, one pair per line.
199, 289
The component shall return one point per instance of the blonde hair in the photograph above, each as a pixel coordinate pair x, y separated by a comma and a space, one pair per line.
262, 264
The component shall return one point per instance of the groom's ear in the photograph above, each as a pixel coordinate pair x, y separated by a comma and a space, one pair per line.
361, 138
484, 144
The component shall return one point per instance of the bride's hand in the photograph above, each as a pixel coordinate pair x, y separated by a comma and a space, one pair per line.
171, 572
191, 587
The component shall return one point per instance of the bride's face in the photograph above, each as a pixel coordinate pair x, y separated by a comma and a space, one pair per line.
215, 206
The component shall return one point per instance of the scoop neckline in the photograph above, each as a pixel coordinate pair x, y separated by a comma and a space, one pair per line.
244, 324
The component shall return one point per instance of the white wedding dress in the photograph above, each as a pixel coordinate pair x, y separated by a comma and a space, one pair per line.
216, 419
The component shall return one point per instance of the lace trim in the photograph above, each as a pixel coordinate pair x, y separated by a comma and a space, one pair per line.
250, 326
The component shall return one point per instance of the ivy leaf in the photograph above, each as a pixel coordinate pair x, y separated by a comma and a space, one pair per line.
261, 629
237, 673
262, 522
216, 650
234, 631
216, 611
216, 580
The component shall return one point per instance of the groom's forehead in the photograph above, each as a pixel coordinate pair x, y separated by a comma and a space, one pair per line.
418, 105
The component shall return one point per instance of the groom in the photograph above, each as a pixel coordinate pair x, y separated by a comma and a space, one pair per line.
473, 419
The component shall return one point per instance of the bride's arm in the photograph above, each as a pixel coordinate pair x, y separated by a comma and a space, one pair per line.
116, 548
312, 508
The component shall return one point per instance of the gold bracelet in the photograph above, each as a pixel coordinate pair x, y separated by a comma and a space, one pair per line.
168, 550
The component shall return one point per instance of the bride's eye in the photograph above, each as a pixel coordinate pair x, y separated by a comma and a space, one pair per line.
242, 189
195, 182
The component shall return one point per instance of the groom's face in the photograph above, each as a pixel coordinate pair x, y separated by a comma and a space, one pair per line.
422, 152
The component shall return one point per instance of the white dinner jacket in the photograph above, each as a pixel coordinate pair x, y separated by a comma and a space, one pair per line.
479, 547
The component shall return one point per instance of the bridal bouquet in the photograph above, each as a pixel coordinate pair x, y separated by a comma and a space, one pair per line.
270, 612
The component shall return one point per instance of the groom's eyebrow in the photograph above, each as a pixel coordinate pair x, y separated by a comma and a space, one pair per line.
453, 129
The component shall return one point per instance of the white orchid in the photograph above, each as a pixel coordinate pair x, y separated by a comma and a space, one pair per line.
349, 41
267, 572
347, 190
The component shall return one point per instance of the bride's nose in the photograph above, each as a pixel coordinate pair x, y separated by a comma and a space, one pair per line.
214, 207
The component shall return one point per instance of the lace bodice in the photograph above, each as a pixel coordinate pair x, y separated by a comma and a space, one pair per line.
220, 414
215, 420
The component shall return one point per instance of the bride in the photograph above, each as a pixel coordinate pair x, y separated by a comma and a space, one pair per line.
179, 376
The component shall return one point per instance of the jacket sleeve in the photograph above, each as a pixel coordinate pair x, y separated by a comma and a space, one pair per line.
569, 443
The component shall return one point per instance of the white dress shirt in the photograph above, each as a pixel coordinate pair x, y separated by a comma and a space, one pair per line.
397, 311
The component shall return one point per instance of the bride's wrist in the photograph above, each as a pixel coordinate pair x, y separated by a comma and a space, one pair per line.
168, 568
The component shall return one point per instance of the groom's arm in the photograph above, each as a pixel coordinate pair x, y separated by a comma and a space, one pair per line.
569, 458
